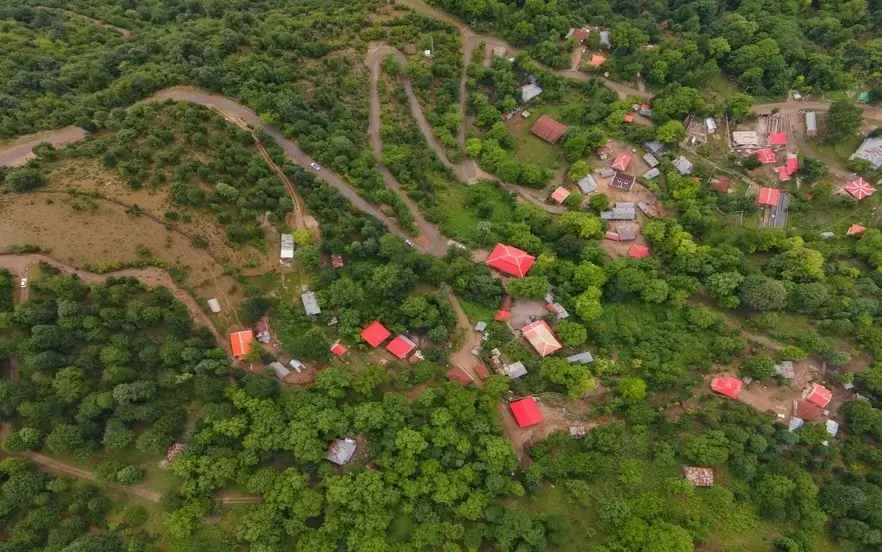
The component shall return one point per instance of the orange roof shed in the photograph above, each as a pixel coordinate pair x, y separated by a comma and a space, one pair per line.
240, 342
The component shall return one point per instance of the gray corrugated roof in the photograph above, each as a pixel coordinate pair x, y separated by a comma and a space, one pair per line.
651, 173
581, 358
627, 232
515, 370
654, 146
310, 303
481, 326
650, 160
341, 451
811, 120
588, 184
683, 165
279, 369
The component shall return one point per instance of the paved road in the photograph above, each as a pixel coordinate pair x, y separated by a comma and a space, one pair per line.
21, 152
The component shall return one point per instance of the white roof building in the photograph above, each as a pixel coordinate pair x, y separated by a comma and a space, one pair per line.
530, 91
214, 305
710, 125
341, 451
871, 150
310, 303
745, 138
279, 369
287, 247
515, 370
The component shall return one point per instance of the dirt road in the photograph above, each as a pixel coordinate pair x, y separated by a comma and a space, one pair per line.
55, 466
872, 113
23, 150
150, 276
419, 6
464, 357
429, 237
126, 33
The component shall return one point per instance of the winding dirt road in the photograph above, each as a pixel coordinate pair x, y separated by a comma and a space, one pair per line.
149, 276
126, 33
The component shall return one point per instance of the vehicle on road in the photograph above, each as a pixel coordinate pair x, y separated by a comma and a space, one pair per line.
24, 282
409, 243
315, 166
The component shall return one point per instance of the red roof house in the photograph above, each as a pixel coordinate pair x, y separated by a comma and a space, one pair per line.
578, 34
785, 171
510, 260
809, 412
819, 395
240, 342
727, 385
621, 162
855, 229
768, 196
699, 477
637, 251
526, 412
337, 349
720, 184
401, 346
597, 60
375, 334
541, 337
629, 117
765, 156
859, 188
778, 139
548, 129
337, 261
560, 194
458, 375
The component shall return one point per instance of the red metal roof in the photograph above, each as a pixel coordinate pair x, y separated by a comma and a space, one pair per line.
337, 261
727, 385
560, 194
819, 395
579, 34
855, 229
338, 349
859, 188
541, 337
720, 184
458, 375
765, 156
482, 371
637, 251
808, 411
597, 60
375, 334
510, 260
401, 346
768, 196
614, 236
778, 139
548, 129
240, 342
621, 162
502, 315
526, 412
629, 117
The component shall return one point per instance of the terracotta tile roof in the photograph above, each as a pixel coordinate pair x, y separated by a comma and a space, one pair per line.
548, 129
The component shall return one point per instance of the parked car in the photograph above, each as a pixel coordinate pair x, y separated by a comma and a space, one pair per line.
409, 243
315, 166
24, 282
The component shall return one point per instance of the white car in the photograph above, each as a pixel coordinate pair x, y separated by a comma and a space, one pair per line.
24, 282
315, 166
409, 243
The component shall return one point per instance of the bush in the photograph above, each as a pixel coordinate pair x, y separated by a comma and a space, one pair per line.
758, 367
793, 353
130, 475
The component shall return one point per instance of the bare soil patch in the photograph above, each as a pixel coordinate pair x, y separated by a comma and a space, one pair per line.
101, 233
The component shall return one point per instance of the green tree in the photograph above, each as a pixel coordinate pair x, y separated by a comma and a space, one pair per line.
530, 287
708, 449
583, 225
308, 256
631, 389
571, 334
671, 132
843, 120
758, 367
578, 170
761, 293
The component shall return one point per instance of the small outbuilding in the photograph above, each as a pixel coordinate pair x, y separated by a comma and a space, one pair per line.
638, 251
514, 370
587, 185
287, 248
811, 123
458, 375
240, 342
651, 160
819, 395
699, 477
560, 194
526, 412
855, 229
280, 370
541, 337
652, 173
683, 165
214, 306
338, 349
581, 358
768, 197
341, 451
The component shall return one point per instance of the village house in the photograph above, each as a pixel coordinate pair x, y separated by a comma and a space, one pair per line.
548, 129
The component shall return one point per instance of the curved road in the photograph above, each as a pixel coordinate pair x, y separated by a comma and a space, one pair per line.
126, 33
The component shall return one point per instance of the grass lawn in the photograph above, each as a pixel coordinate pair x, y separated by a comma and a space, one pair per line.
477, 312
553, 500
459, 221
